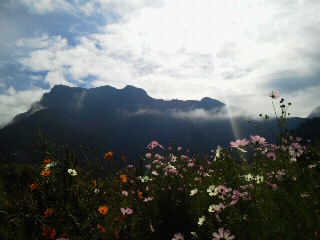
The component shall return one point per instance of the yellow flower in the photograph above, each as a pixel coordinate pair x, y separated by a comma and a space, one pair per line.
103, 210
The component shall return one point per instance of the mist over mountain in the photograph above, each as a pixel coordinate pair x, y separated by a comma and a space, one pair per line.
315, 112
124, 121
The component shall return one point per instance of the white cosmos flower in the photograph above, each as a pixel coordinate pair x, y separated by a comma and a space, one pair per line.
50, 165
73, 172
212, 208
213, 190
193, 192
201, 220
218, 152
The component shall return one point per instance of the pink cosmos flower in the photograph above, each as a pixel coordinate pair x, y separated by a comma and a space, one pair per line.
258, 140
178, 236
151, 227
222, 234
154, 144
179, 148
274, 94
125, 193
149, 199
271, 155
295, 150
239, 143
148, 155
127, 211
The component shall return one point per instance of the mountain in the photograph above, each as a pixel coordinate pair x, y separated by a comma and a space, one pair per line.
315, 113
123, 121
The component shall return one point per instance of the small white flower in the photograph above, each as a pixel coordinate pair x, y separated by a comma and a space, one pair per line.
72, 172
193, 192
212, 208
201, 220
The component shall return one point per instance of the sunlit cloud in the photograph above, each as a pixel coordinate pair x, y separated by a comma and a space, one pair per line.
233, 51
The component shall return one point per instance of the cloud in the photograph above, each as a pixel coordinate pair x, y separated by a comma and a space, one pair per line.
211, 115
45, 6
197, 114
13, 102
233, 51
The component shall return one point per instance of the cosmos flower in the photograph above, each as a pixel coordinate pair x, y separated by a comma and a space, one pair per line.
103, 210
239, 143
103, 229
108, 155
33, 186
49, 233
123, 178
213, 190
48, 213
72, 172
193, 192
45, 173
201, 220
222, 234
178, 236
127, 211
258, 140
274, 94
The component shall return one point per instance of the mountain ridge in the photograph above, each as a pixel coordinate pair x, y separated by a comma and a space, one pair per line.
124, 120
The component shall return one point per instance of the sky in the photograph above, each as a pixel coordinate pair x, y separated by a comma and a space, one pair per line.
230, 50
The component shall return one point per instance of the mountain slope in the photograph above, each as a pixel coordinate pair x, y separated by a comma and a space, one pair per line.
124, 120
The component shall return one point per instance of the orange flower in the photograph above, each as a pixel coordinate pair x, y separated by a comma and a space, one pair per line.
49, 233
48, 213
94, 182
45, 173
103, 229
33, 186
116, 233
46, 161
123, 178
119, 218
108, 155
123, 158
140, 194
103, 210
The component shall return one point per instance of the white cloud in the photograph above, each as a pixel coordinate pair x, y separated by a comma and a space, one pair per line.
228, 50
13, 102
44, 6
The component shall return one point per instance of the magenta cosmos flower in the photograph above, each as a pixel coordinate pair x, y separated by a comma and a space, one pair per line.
239, 143
258, 140
222, 234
